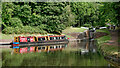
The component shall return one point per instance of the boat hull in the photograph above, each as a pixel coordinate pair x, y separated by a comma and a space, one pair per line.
41, 43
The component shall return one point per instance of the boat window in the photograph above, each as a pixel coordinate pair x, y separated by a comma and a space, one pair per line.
63, 37
59, 46
28, 49
19, 39
51, 47
57, 37
60, 37
51, 38
39, 39
28, 39
39, 48
54, 38
54, 47
43, 47
43, 38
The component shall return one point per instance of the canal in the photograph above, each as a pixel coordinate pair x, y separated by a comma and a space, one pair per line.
79, 53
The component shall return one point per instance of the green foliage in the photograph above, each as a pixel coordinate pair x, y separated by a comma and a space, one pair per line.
23, 29
14, 22
103, 39
8, 30
97, 14
86, 25
70, 30
86, 12
103, 30
7, 12
108, 14
56, 16
31, 30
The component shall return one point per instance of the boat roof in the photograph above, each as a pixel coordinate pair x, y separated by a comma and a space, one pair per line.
41, 36
26, 37
57, 36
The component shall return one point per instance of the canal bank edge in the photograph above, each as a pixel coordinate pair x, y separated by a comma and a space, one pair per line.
110, 52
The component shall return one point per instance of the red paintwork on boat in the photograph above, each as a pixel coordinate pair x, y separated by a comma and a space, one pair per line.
23, 39
32, 49
23, 50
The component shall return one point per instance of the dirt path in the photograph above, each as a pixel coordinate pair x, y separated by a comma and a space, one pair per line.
114, 38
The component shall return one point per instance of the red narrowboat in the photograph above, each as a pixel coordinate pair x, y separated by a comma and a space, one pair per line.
41, 40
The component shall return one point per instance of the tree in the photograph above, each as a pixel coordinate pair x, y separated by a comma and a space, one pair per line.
86, 12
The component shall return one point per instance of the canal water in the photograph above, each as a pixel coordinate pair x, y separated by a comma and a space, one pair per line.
81, 53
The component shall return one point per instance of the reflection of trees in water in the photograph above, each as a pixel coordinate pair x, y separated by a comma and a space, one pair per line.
88, 45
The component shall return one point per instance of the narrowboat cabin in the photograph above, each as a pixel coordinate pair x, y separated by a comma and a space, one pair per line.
24, 39
59, 37
42, 38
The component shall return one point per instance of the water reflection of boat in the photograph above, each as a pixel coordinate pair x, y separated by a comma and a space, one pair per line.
39, 48
50, 48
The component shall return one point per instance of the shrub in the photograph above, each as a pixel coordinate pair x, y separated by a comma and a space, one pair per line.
18, 30
27, 29
15, 22
86, 25
39, 30
23, 29
8, 30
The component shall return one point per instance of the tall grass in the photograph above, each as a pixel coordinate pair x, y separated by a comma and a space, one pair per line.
103, 30
103, 39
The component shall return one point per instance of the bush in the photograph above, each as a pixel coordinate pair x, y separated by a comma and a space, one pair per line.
24, 29
87, 25
39, 30
27, 29
8, 30
15, 22
18, 30
31, 30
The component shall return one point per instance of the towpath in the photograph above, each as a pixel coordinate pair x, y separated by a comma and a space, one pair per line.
114, 38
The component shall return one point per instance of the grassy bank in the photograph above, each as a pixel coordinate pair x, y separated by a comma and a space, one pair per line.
106, 49
103, 30
73, 29
103, 39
